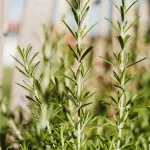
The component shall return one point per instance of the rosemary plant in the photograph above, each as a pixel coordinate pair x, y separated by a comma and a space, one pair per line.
78, 117
44, 94
124, 101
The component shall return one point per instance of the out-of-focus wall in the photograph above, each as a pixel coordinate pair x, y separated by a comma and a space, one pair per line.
36, 14
3, 29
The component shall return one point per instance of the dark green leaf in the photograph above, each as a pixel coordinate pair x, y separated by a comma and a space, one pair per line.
18, 61
24, 87
73, 73
131, 6
117, 77
122, 13
75, 15
86, 52
69, 29
31, 99
136, 62
119, 25
72, 99
85, 6
129, 101
70, 4
116, 57
118, 86
113, 100
123, 3
73, 52
70, 91
85, 105
106, 103
121, 41
22, 72
78, 50
87, 97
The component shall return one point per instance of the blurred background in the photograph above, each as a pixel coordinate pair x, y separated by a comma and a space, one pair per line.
21, 23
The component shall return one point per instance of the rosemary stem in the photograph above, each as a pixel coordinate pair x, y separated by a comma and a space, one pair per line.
79, 84
122, 100
79, 112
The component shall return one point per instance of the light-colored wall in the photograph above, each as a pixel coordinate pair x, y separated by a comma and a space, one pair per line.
3, 29
36, 13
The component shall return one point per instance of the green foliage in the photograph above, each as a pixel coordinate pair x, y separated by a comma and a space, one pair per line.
60, 118
79, 118
123, 101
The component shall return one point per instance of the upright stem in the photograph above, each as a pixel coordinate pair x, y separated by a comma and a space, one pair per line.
122, 111
122, 102
79, 84
79, 54
79, 89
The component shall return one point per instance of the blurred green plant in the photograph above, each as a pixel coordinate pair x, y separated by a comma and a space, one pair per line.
3, 124
45, 93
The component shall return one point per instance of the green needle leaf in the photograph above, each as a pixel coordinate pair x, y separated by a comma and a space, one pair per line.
33, 58
68, 77
136, 62
20, 52
107, 61
18, 61
131, 6
24, 87
112, 24
31, 99
34, 67
84, 105
89, 30
75, 15
85, 6
122, 13
21, 71
86, 52
73, 52
121, 42
84, 15
29, 48
114, 5
70, 29
132, 24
